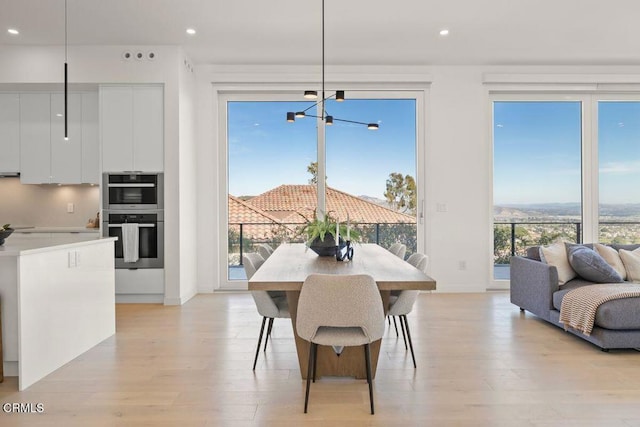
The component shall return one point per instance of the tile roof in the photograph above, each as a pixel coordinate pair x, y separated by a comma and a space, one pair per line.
257, 224
286, 202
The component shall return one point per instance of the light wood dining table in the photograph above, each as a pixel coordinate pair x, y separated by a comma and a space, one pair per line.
290, 264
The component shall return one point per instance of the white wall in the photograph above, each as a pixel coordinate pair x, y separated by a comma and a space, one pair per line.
458, 154
104, 64
187, 208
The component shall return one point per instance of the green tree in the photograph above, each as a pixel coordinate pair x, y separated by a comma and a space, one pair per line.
401, 192
313, 170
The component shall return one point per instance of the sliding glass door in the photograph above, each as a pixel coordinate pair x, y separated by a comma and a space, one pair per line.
271, 170
619, 171
566, 168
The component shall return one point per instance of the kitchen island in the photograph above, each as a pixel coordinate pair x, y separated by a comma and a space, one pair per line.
57, 299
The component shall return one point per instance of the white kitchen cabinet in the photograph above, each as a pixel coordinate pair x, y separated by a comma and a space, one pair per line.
90, 139
45, 156
35, 138
10, 132
132, 128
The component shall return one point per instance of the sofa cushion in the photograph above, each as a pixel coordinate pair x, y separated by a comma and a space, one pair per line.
613, 258
555, 255
615, 314
533, 252
589, 265
629, 247
631, 261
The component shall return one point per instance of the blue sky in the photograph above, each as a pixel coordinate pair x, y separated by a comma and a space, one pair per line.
266, 151
537, 152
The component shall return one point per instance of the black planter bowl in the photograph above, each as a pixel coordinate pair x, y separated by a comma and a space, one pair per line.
6, 233
326, 248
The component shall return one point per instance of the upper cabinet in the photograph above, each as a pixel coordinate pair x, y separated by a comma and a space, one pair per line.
9, 132
45, 156
132, 128
90, 139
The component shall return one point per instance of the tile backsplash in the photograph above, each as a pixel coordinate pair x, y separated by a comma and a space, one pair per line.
47, 205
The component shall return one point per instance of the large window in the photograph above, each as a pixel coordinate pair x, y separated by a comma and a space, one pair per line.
537, 176
377, 167
619, 177
554, 181
272, 170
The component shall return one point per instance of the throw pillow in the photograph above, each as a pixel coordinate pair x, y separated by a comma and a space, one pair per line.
631, 260
612, 257
591, 266
555, 255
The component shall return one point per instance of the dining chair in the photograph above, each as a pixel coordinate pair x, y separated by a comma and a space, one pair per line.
398, 249
343, 311
401, 302
270, 305
265, 250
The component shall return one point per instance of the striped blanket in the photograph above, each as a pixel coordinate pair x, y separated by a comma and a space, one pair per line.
579, 306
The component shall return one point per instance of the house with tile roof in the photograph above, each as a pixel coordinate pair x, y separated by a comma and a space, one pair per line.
288, 205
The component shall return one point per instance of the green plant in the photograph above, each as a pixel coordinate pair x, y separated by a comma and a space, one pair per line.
318, 228
5, 227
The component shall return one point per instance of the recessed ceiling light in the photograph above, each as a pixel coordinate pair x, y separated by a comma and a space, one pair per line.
444, 32
13, 31
191, 31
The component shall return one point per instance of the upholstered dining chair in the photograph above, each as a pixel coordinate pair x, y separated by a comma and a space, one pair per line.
265, 250
401, 302
339, 310
269, 305
399, 250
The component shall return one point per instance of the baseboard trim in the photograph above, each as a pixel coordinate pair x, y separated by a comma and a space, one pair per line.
139, 298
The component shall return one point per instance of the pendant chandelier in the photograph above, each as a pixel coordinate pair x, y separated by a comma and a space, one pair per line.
66, 78
312, 94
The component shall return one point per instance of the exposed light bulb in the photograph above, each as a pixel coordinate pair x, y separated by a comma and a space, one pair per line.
191, 31
13, 31
444, 32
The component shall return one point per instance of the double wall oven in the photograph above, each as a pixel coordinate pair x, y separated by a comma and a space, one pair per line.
135, 198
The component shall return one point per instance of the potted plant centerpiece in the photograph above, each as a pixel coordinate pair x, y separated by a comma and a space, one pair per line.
320, 234
5, 231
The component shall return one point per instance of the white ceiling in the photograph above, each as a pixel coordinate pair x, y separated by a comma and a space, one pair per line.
562, 32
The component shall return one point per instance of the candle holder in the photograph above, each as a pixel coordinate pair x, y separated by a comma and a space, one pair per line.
344, 252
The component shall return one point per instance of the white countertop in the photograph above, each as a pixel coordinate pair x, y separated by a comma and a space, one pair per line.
56, 230
16, 245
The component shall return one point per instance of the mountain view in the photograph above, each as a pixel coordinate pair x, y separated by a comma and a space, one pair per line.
543, 223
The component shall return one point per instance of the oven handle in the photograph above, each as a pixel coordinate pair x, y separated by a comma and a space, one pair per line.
131, 185
139, 225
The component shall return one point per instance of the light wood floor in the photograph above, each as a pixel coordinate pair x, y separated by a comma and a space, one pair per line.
480, 363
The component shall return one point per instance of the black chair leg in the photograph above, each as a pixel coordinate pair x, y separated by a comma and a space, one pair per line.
367, 359
396, 325
264, 319
406, 325
309, 371
268, 333
389, 320
404, 335
315, 361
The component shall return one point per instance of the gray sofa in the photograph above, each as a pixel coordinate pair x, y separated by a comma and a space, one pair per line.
534, 288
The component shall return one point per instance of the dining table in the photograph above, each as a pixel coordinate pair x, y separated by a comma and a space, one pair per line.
290, 264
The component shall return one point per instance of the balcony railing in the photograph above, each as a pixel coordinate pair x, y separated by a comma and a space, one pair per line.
384, 234
521, 235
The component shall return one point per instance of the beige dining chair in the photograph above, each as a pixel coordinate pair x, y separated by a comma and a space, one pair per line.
401, 302
269, 305
339, 310
398, 249
265, 250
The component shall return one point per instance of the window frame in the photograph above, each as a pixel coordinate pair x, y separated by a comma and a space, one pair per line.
292, 93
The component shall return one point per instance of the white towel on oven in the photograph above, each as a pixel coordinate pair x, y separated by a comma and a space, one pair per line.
130, 242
